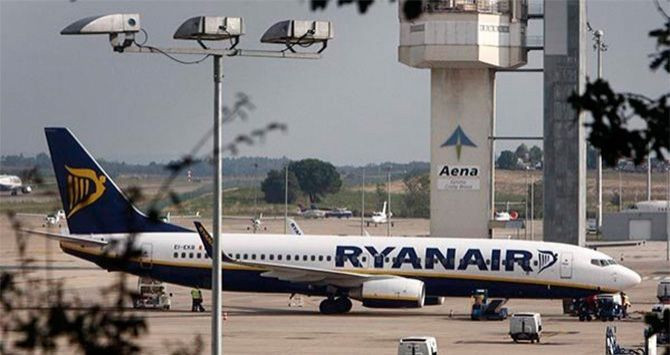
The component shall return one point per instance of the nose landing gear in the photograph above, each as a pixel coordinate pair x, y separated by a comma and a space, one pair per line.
333, 305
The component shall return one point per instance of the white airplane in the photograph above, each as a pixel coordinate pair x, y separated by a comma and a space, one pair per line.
256, 221
50, 220
13, 184
380, 217
386, 272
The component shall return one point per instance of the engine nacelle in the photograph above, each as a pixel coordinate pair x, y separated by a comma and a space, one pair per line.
26, 189
391, 293
434, 301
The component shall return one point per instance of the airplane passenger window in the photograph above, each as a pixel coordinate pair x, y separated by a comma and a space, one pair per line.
313, 258
535, 263
190, 255
288, 257
279, 257
364, 259
271, 256
297, 258
183, 255
304, 258
198, 255
175, 255
246, 256
320, 257
262, 256
387, 259
253, 256
237, 256
328, 258
488, 261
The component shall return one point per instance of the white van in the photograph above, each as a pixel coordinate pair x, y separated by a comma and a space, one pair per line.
525, 326
417, 346
663, 291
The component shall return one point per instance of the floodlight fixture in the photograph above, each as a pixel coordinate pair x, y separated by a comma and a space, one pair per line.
112, 25
211, 28
299, 32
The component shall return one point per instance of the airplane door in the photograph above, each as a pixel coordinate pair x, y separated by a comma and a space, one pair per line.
566, 265
146, 257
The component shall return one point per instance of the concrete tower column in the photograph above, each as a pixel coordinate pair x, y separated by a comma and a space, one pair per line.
462, 120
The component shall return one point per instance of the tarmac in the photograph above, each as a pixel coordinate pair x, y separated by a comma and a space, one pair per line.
264, 323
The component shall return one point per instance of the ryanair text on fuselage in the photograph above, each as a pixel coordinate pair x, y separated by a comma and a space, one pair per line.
473, 257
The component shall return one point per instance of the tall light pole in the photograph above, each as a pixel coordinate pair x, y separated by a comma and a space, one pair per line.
667, 215
285, 198
388, 213
600, 47
121, 29
649, 177
363, 203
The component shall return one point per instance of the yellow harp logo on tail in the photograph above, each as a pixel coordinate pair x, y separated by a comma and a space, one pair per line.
83, 188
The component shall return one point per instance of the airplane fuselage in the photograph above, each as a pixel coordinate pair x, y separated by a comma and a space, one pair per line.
447, 266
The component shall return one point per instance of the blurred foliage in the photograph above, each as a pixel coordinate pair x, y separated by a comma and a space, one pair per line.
273, 187
611, 129
316, 178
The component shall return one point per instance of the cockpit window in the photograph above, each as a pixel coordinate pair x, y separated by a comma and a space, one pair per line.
603, 262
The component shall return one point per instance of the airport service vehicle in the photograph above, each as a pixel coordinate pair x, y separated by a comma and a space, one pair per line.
312, 212
386, 272
609, 307
659, 310
663, 291
151, 294
525, 326
13, 184
485, 309
417, 346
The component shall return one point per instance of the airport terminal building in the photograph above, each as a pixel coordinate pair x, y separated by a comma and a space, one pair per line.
648, 221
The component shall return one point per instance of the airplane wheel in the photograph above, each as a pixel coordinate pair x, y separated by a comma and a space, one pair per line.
328, 306
344, 304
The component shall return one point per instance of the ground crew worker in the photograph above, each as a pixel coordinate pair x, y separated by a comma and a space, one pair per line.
625, 304
196, 297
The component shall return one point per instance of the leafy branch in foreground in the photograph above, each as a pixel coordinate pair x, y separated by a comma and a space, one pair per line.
612, 112
37, 314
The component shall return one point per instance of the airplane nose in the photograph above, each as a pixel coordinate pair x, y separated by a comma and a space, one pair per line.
630, 278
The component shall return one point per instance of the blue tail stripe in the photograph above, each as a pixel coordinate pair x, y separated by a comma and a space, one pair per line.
93, 203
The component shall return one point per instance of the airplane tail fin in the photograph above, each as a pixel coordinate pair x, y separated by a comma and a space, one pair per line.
294, 227
208, 242
92, 202
384, 209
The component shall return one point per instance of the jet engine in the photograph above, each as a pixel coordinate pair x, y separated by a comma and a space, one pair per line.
397, 292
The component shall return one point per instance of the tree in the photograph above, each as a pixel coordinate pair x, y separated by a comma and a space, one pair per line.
273, 187
536, 155
316, 178
522, 152
507, 160
417, 197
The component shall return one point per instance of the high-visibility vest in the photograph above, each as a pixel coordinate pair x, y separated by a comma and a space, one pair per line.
195, 293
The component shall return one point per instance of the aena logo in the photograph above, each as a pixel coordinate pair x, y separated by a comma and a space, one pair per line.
459, 139
83, 188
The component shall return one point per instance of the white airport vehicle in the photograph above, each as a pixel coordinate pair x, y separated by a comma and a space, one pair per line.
420, 345
525, 326
380, 217
151, 294
13, 184
382, 272
50, 220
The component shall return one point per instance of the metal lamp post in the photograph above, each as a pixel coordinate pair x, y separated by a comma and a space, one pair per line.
121, 29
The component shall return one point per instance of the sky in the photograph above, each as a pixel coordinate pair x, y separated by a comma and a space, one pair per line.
356, 105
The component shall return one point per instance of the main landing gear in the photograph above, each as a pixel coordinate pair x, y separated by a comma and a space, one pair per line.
333, 305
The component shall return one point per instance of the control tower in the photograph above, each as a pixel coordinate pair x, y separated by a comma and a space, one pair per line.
463, 43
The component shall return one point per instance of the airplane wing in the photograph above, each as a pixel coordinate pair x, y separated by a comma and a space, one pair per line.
612, 244
31, 215
294, 273
80, 239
